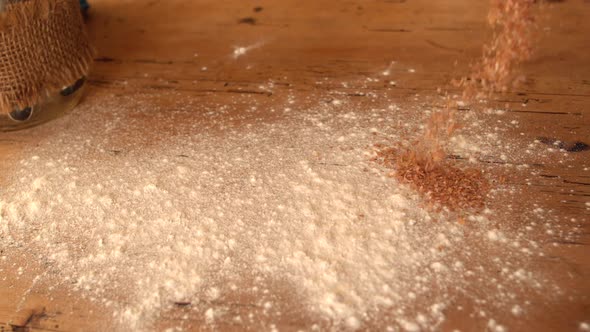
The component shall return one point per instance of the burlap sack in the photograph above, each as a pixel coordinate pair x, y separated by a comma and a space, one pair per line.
43, 48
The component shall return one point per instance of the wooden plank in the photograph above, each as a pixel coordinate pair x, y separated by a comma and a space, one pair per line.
152, 49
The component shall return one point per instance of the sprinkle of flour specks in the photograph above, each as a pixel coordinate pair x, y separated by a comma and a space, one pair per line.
197, 217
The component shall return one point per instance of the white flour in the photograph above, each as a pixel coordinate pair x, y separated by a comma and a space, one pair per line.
198, 217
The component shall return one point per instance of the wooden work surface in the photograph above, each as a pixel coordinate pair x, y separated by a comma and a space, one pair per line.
164, 51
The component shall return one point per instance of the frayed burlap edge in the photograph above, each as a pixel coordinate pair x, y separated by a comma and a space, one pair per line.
26, 80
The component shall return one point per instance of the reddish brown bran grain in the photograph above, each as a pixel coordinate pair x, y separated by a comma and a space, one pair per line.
425, 166
443, 184
513, 23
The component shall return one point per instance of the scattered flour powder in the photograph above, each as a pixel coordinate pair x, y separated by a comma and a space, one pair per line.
292, 204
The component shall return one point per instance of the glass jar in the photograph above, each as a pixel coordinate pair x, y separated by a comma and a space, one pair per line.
50, 108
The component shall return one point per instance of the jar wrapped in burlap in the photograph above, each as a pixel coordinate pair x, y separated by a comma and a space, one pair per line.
44, 49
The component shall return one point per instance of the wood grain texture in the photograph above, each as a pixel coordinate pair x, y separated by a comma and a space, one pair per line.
158, 51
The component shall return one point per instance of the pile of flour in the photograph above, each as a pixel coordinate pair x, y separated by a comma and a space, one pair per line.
207, 213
